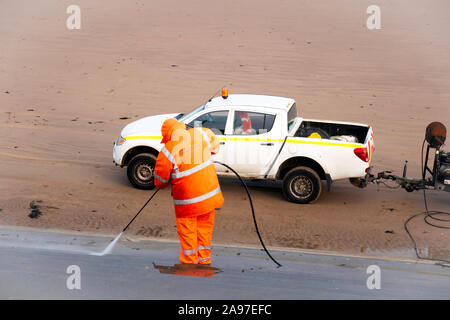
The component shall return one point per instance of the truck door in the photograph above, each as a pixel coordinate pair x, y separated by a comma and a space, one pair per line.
216, 121
252, 144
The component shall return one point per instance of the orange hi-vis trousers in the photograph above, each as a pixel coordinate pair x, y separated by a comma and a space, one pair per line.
195, 235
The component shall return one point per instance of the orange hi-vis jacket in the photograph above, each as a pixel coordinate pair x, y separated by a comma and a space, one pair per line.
185, 162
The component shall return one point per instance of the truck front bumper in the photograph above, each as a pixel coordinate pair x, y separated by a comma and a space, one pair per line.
118, 153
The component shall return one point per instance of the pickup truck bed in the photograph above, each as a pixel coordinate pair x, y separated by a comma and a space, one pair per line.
330, 130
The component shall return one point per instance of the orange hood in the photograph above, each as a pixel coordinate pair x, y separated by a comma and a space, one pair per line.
169, 126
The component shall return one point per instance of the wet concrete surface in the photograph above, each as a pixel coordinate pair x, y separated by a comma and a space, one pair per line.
34, 265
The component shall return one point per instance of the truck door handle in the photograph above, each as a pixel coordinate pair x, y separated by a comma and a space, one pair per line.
267, 144
222, 142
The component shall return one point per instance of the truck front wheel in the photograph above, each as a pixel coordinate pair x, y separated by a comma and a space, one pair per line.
302, 185
140, 171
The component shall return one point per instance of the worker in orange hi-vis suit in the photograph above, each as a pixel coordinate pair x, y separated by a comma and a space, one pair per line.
185, 162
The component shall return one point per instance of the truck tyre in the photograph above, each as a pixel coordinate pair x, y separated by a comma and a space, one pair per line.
140, 171
302, 185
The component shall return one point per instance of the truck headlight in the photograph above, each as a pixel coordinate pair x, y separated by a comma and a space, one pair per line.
120, 141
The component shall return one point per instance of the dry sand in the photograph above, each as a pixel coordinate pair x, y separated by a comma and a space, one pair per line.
63, 92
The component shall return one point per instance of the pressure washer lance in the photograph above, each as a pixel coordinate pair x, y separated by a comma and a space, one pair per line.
109, 248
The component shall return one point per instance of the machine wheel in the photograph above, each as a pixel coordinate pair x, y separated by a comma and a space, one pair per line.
140, 171
302, 185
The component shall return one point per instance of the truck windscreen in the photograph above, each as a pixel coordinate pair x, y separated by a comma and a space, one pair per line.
188, 115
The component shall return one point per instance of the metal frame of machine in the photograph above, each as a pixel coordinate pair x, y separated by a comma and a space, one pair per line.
439, 178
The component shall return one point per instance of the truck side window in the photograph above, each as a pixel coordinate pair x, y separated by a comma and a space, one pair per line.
216, 121
252, 123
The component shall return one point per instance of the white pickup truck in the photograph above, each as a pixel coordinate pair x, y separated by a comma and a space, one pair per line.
261, 137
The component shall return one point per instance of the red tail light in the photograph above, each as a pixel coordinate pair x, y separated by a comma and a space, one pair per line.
362, 153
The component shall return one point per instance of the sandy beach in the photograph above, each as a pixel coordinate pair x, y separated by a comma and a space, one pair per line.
66, 94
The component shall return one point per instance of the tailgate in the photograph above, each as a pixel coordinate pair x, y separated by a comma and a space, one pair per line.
370, 144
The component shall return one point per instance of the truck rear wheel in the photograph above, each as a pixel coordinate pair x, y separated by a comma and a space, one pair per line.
302, 185
140, 171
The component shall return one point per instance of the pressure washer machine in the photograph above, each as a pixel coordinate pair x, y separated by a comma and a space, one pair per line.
436, 178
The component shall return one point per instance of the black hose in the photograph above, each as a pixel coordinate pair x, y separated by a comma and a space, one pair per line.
427, 215
253, 212
276, 157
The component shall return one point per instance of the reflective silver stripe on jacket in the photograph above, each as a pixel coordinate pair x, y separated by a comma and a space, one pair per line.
203, 259
205, 136
185, 173
198, 199
170, 157
203, 248
160, 179
189, 252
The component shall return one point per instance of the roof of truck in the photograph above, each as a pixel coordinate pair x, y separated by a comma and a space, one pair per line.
253, 100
